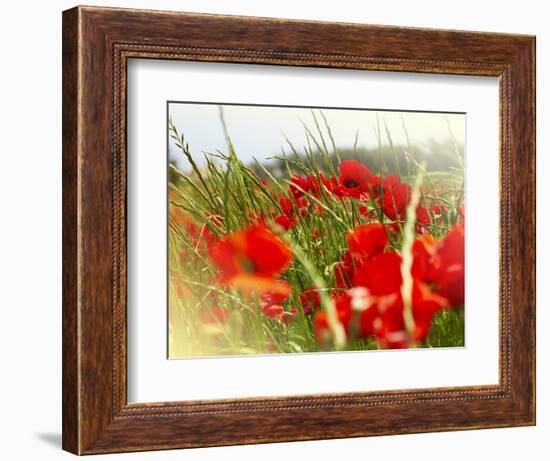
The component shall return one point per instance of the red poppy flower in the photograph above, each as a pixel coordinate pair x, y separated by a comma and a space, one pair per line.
393, 228
319, 184
289, 315
354, 179
381, 276
379, 316
344, 271
285, 222
423, 250
448, 266
394, 197
364, 310
321, 327
311, 184
291, 206
298, 185
269, 298
252, 260
461, 214
438, 208
287, 205
330, 183
389, 327
368, 215
273, 311
310, 299
272, 306
367, 240
278, 312
426, 303
423, 219
384, 319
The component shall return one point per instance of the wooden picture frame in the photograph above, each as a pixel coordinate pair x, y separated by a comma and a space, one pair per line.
97, 43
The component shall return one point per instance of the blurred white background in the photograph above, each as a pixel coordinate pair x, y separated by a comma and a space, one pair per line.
30, 232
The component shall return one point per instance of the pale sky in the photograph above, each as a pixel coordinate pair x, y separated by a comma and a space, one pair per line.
260, 131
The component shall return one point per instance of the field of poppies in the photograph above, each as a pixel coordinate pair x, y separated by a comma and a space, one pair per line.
326, 254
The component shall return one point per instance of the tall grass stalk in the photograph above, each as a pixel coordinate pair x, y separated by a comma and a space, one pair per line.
407, 257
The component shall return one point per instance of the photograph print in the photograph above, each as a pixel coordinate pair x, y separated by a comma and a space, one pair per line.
307, 229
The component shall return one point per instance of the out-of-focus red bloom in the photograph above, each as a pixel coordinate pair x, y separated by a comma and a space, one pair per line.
269, 298
214, 320
289, 315
298, 185
344, 270
310, 299
367, 214
442, 263
461, 214
354, 179
448, 266
423, 219
331, 184
272, 306
363, 211
179, 217
393, 228
394, 197
278, 312
287, 205
319, 184
291, 206
438, 208
311, 184
364, 314
321, 324
197, 234
285, 221
426, 303
182, 291
437, 212
273, 311
383, 316
215, 315
381, 276
252, 260
423, 250
367, 240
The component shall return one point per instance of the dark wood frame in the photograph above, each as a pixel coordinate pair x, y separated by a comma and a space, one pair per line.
97, 43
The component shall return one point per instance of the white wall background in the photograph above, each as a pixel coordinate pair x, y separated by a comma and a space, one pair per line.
30, 228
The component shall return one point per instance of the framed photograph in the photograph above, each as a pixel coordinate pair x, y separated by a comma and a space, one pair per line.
284, 230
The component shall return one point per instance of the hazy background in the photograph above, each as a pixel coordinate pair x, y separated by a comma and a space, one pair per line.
260, 131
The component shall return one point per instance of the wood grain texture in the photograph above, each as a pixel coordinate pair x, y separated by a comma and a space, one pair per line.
97, 43
70, 384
